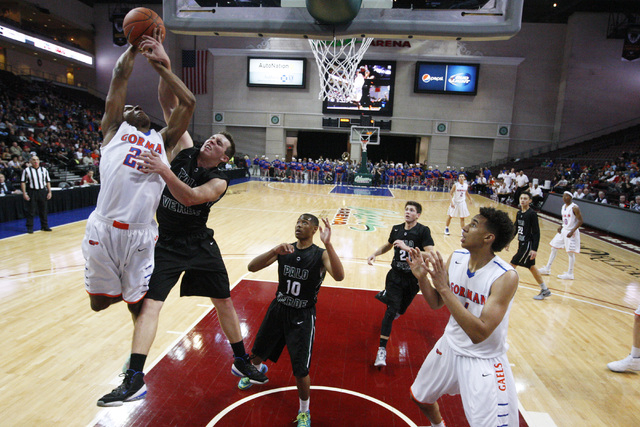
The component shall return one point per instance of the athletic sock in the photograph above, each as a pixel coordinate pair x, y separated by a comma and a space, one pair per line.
304, 405
543, 286
552, 256
440, 424
137, 361
238, 349
572, 261
383, 342
635, 352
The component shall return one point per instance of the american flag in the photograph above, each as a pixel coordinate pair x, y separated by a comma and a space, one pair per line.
194, 70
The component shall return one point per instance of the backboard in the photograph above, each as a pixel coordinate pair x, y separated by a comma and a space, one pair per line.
443, 19
370, 133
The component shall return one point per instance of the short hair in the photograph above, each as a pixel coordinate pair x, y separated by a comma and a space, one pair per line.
417, 205
231, 151
526, 193
498, 223
312, 218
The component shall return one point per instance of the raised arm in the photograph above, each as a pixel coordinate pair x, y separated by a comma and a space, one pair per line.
477, 328
168, 100
181, 115
114, 104
330, 258
269, 257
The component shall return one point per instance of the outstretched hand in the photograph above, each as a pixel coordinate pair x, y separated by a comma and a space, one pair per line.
417, 263
325, 233
152, 49
438, 271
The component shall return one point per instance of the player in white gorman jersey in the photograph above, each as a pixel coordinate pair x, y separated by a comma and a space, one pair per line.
121, 233
568, 237
458, 206
470, 358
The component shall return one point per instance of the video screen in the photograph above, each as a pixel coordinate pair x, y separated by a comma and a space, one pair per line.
277, 72
442, 78
372, 91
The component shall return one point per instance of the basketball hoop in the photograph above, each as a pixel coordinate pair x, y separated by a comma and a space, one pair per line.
365, 135
337, 65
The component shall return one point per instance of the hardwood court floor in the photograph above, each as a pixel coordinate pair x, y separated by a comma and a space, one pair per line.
58, 357
197, 388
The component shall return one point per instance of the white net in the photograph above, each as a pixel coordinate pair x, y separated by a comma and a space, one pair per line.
338, 66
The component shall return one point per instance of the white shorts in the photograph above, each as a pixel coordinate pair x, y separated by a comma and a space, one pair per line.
486, 386
570, 244
459, 210
118, 261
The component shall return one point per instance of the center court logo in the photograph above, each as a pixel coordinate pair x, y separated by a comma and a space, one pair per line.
364, 219
426, 78
460, 79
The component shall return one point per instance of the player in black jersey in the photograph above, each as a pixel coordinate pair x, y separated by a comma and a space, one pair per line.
291, 316
400, 286
185, 244
528, 234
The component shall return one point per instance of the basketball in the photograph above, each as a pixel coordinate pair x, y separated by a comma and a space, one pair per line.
140, 22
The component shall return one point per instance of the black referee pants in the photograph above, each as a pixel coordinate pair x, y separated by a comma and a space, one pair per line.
38, 202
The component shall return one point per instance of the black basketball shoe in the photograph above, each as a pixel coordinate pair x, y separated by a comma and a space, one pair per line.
242, 367
132, 388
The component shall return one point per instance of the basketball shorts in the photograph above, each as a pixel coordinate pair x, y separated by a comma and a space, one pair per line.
293, 327
198, 256
523, 257
118, 262
459, 210
486, 386
570, 244
399, 290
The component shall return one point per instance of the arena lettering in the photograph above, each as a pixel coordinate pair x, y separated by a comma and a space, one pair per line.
605, 257
295, 272
502, 383
391, 43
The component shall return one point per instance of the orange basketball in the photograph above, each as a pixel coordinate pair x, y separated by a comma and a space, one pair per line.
139, 22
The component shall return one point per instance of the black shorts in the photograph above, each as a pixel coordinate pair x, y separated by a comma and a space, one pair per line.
293, 327
522, 258
196, 254
399, 290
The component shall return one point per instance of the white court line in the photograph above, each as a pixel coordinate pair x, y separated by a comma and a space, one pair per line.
388, 407
580, 300
166, 350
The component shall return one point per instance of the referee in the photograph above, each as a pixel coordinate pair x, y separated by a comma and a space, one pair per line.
36, 190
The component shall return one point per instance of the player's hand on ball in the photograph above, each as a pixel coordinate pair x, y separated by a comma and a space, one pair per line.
153, 50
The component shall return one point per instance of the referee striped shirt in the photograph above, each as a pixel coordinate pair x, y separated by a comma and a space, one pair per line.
36, 179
